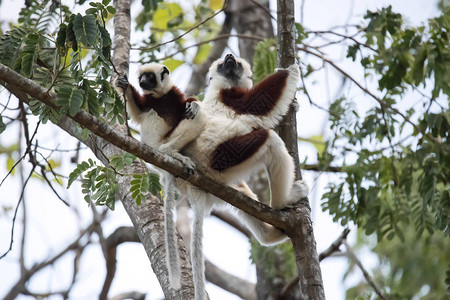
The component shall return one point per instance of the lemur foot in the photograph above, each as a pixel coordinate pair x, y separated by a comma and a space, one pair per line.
122, 82
192, 109
300, 190
189, 165
189, 168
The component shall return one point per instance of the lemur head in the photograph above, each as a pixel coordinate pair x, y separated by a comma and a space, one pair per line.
154, 79
230, 72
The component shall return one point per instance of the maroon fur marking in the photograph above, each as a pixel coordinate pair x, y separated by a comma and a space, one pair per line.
259, 100
171, 106
238, 149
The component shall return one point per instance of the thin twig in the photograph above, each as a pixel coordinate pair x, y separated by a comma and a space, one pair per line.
186, 32
15, 213
380, 102
219, 37
351, 254
265, 9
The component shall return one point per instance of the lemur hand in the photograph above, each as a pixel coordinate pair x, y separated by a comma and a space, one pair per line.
191, 110
294, 69
122, 82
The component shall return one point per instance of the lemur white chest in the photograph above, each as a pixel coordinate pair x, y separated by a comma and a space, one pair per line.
153, 129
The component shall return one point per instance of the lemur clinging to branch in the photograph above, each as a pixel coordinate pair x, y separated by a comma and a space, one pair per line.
236, 141
230, 137
165, 116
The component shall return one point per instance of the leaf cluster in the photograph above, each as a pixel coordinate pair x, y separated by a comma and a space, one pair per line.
99, 183
72, 57
168, 21
400, 171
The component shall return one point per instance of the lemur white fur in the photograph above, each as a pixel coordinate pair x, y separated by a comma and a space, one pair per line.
228, 122
223, 122
163, 127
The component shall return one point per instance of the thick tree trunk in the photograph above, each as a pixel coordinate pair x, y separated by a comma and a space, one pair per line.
148, 218
300, 228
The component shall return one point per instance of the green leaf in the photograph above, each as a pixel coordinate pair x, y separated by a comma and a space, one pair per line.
264, 60
216, 4
85, 29
61, 37
165, 13
80, 169
27, 64
2, 125
352, 50
202, 54
10, 162
111, 10
91, 98
172, 64
154, 184
71, 99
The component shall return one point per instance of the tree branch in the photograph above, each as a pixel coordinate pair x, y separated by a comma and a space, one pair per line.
233, 284
278, 218
300, 228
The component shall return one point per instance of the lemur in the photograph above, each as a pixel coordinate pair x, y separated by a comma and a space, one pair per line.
234, 140
165, 116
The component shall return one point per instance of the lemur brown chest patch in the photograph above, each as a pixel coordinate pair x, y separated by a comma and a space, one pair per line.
238, 149
258, 101
170, 107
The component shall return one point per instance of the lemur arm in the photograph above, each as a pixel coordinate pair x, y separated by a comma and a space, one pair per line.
134, 100
271, 98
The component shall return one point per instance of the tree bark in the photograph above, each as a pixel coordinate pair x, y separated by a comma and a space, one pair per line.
300, 228
251, 18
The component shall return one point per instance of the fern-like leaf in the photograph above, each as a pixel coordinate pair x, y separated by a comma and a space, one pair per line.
85, 29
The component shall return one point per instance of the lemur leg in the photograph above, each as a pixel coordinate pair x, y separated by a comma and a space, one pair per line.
172, 255
265, 233
201, 207
280, 168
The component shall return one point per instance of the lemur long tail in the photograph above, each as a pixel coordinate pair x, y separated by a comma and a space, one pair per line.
172, 255
201, 207
265, 233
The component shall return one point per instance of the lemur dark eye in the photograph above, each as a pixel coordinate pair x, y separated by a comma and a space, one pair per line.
239, 64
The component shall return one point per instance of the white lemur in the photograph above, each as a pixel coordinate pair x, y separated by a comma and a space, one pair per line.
165, 116
234, 140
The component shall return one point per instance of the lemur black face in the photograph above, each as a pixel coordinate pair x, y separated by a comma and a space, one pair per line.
230, 68
147, 81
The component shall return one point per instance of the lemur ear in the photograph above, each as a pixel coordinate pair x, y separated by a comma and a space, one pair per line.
164, 71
